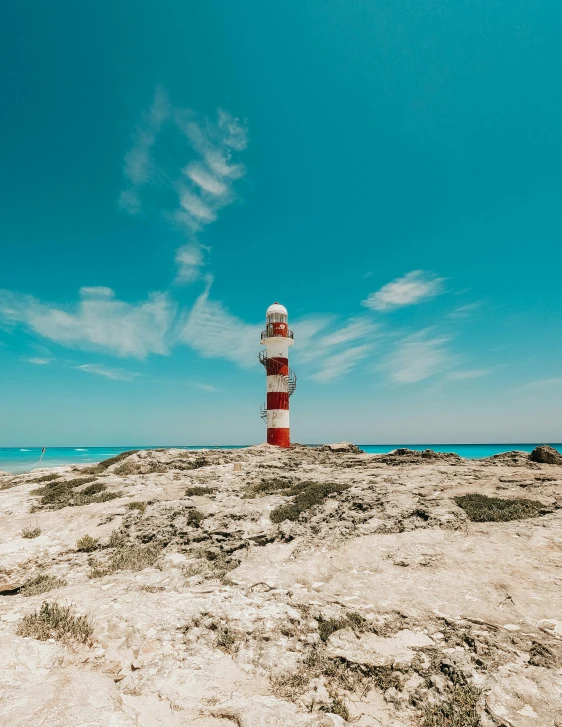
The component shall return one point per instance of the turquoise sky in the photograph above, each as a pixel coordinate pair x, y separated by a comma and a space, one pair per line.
390, 171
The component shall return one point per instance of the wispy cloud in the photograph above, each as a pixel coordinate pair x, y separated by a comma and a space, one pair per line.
215, 333
38, 361
412, 288
192, 190
98, 321
110, 373
334, 366
207, 387
465, 311
466, 374
139, 167
418, 357
330, 348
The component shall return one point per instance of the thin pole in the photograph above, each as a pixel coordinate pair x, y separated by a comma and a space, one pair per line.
42, 453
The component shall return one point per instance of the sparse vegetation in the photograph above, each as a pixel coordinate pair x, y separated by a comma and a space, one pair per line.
195, 518
131, 557
338, 674
41, 584
226, 639
87, 544
94, 489
306, 496
137, 505
269, 486
117, 539
481, 508
31, 532
46, 478
338, 706
199, 490
53, 621
457, 710
96, 469
55, 495
352, 620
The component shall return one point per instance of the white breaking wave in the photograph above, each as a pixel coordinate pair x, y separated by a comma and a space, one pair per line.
80, 449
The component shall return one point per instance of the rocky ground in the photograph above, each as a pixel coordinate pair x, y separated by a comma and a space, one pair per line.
309, 587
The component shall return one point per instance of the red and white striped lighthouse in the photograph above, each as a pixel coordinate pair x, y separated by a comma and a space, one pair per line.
281, 381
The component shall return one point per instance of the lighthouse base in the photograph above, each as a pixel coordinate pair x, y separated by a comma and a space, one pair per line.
280, 437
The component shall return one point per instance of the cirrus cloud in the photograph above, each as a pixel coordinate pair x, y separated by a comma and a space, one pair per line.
414, 287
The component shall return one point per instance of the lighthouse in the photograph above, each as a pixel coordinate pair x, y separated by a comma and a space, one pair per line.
280, 381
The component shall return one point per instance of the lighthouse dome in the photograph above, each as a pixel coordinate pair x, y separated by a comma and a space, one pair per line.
276, 308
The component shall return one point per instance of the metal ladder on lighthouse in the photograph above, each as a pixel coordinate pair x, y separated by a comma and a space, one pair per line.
274, 367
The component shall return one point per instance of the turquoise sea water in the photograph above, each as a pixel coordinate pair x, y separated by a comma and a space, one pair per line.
23, 459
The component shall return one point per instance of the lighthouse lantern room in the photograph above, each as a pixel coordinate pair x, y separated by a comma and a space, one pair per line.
281, 381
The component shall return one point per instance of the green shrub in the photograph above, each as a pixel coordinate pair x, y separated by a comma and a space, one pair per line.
306, 496
199, 490
41, 584
87, 544
94, 489
46, 478
52, 621
195, 518
481, 508
104, 464
269, 486
31, 532
137, 505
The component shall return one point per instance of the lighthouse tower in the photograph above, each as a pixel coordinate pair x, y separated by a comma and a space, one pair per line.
281, 381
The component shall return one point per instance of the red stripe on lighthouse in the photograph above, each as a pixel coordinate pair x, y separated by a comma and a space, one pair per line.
279, 437
277, 400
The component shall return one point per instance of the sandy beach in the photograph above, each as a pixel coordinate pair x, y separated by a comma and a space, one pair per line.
309, 587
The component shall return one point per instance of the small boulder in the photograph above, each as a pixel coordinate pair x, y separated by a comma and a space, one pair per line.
546, 455
344, 448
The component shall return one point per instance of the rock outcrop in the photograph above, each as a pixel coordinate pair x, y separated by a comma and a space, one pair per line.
309, 587
546, 455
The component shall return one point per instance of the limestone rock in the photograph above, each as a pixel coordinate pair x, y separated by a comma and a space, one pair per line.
523, 696
344, 448
546, 455
35, 693
372, 650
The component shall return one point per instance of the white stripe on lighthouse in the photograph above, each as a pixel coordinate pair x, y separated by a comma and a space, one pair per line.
278, 418
276, 383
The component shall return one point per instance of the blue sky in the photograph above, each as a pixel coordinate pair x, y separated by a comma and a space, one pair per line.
390, 171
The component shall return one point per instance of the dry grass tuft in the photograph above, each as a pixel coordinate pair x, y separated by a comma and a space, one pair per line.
137, 505
338, 674
200, 490
117, 539
53, 621
131, 557
306, 496
41, 584
87, 544
31, 533
457, 710
481, 508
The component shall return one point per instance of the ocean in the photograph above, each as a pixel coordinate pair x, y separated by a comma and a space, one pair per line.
23, 459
